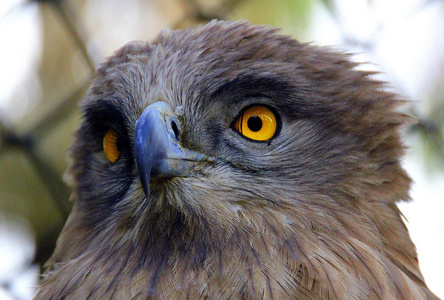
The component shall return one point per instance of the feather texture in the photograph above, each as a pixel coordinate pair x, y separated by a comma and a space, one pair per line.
310, 214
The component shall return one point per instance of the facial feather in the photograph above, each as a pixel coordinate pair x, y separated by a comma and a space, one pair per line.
310, 213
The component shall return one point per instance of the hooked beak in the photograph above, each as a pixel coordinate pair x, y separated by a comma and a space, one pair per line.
157, 149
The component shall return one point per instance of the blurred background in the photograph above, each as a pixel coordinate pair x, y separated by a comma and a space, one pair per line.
50, 48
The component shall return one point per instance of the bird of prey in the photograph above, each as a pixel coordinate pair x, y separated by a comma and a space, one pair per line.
228, 161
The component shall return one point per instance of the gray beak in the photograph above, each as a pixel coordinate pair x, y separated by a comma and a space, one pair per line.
157, 147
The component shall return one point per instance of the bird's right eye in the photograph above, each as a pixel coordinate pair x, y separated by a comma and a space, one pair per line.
110, 147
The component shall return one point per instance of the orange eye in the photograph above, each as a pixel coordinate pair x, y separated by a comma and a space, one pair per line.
257, 123
110, 148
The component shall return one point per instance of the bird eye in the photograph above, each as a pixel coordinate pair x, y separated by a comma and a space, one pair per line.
110, 147
257, 123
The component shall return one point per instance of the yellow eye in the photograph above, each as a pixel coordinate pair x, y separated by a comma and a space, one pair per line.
257, 123
110, 148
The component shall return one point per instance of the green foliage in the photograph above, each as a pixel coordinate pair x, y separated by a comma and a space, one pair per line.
293, 16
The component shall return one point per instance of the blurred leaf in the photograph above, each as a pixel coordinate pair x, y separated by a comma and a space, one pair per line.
328, 4
431, 138
292, 16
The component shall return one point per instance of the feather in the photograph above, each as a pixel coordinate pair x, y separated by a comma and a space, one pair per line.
308, 214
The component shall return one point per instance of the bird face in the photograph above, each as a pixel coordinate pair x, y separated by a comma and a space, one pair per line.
218, 127
230, 160
238, 125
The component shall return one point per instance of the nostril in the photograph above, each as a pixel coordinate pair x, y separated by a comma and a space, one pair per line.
175, 127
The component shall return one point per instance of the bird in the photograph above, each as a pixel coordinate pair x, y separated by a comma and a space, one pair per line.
230, 161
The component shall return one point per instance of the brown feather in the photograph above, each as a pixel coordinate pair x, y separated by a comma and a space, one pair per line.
309, 215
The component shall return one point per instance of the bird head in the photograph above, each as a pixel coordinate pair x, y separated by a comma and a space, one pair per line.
234, 120
230, 147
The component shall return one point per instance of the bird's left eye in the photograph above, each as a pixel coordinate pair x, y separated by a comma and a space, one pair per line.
110, 146
257, 123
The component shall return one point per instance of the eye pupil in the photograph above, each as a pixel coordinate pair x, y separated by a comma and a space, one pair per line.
254, 123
